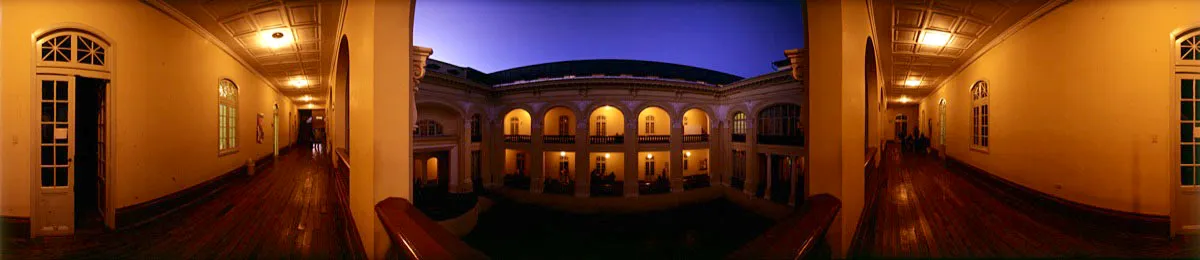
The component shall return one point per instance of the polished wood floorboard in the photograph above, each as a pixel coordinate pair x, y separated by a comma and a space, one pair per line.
288, 210
927, 211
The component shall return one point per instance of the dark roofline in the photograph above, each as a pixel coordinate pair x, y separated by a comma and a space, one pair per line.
612, 67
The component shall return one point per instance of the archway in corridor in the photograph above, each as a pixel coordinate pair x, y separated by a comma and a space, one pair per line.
654, 125
517, 126
558, 126
607, 125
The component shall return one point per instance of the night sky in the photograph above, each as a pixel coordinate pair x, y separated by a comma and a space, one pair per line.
740, 37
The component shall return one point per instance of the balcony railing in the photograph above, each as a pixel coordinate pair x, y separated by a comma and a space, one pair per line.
416, 236
654, 139
476, 138
781, 140
800, 235
517, 138
606, 139
700, 138
740, 138
558, 139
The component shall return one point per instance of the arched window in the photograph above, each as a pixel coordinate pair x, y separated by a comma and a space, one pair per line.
72, 49
514, 126
781, 124
564, 123
650, 124
227, 116
739, 123
427, 127
942, 122
979, 115
601, 125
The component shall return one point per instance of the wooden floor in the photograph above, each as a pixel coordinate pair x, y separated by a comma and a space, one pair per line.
925, 211
286, 211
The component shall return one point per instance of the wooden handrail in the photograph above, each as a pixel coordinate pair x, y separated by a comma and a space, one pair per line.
796, 236
416, 236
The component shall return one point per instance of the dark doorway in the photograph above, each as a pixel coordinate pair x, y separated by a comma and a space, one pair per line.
762, 175
781, 178
305, 133
89, 153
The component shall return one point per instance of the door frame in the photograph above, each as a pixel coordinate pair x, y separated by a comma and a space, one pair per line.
111, 119
1178, 69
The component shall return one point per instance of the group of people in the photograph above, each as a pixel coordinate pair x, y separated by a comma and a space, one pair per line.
918, 143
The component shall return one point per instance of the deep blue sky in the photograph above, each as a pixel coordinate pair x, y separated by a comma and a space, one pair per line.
740, 37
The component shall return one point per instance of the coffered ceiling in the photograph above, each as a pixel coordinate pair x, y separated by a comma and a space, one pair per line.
923, 42
288, 42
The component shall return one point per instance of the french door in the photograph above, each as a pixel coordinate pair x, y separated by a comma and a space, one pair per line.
55, 155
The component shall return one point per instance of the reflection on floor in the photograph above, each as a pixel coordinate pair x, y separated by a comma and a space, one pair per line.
285, 211
708, 230
927, 211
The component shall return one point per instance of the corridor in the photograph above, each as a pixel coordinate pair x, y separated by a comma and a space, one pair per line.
925, 210
287, 210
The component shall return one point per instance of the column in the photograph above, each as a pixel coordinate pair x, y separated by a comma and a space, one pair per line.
767, 194
537, 158
716, 155
794, 173
631, 157
676, 154
751, 157
583, 179
465, 183
494, 140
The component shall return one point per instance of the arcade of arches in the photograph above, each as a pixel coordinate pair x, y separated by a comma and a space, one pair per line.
222, 129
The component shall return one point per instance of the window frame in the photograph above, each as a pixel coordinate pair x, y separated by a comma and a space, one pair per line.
980, 116
227, 118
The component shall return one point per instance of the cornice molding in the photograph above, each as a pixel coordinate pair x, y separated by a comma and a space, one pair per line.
170, 11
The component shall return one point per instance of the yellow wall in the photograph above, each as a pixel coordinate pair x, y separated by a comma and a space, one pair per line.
520, 114
550, 122
551, 168
1089, 115
696, 120
451, 122
889, 120
694, 161
661, 161
431, 169
164, 89
615, 121
510, 162
662, 121
614, 164
837, 36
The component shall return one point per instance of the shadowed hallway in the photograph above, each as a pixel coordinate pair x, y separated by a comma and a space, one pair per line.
286, 210
925, 210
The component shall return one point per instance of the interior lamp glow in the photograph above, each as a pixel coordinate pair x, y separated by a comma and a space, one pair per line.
687, 154
649, 156
276, 38
912, 82
306, 98
606, 155
298, 82
562, 153
935, 38
904, 100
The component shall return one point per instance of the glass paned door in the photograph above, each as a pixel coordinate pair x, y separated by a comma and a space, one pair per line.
1187, 199
56, 150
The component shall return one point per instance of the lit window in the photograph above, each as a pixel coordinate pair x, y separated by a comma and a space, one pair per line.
428, 127
979, 115
650, 124
781, 124
227, 116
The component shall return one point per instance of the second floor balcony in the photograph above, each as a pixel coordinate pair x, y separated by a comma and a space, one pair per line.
606, 139
654, 139
558, 139
517, 138
697, 138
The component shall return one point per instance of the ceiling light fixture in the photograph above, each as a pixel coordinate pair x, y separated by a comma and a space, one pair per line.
298, 82
904, 99
935, 38
306, 98
649, 156
276, 38
912, 82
